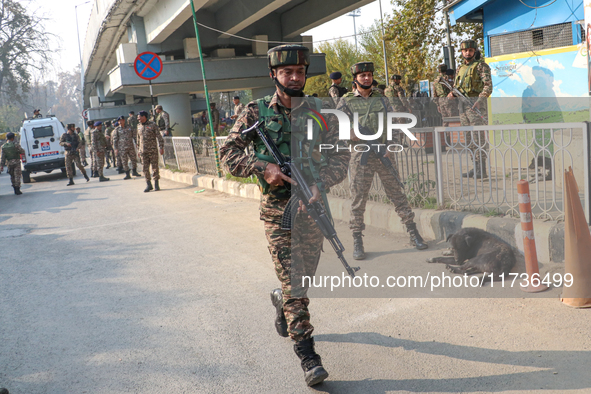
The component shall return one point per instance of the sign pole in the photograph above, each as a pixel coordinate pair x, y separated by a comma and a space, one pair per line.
152, 98
215, 143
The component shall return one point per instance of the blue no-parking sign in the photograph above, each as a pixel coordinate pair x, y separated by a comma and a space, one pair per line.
148, 65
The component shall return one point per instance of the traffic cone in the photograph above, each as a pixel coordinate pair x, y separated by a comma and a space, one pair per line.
577, 247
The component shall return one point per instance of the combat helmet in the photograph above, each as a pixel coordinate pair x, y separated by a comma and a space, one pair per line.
288, 55
362, 67
466, 44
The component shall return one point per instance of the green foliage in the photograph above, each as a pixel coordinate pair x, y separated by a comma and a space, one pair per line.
417, 192
340, 56
249, 180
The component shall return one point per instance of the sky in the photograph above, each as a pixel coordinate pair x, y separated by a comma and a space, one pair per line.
62, 23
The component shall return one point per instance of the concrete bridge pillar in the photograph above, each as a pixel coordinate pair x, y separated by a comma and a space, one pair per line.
178, 107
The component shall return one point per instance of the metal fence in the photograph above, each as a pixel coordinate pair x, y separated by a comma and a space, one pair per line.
433, 167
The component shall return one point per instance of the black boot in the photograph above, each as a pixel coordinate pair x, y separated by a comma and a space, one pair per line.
94, 174
103, 179
280, 322
156, 185
108, 164
86, 177
148, 187
314, 373
71, 182
134, 172
127, 176
415, 237
120, 170
358, 251
17, 190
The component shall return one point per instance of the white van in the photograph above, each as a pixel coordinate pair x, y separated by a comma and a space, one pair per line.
40, 138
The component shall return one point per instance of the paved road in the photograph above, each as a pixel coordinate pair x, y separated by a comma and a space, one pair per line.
106, 289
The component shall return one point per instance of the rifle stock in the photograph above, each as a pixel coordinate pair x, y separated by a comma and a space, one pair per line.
462, 98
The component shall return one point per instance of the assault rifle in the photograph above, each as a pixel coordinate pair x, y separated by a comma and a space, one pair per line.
301, 192
465, 100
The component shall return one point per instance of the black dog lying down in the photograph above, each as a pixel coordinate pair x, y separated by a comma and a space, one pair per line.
477, 251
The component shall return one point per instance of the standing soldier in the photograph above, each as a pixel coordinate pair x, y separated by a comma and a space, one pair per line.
132, 122
88, 139
124, 149
82, 146
474, 81
109, 152
396, 94
440, 93
368, 103
163, 121
99, 146
37, 114
238, 108
288, 65
149, 138
336, 91
215, 117
71, 143
11, 156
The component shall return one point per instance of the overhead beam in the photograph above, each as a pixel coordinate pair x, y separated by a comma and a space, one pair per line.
166, 17
314, 13
244, 13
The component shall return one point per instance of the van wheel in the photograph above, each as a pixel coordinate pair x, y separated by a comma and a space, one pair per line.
26, 177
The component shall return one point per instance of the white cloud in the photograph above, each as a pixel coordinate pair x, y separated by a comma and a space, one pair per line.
557, 90
550, 64
503, 94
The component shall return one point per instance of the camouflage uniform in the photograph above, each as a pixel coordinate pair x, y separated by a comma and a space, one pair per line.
473, 79
397, 97
10, 158
109, 153
123, 143
132, 122
163, 121
82, 146
304, 242
88, 139
215, 117
149, 138
99, 146
72, 155
239, 108
336, 92
445, 105
362, 175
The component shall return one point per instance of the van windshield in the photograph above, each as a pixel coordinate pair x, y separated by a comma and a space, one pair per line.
40, 132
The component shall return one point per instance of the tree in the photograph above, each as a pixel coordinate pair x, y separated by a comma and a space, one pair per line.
417, 31
24, 47
340, 56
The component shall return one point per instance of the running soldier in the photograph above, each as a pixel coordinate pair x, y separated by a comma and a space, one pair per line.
149, 138
336, 91
99, 145
123, 144
473, 80
11, 157
368, 103
71, 143
288, 67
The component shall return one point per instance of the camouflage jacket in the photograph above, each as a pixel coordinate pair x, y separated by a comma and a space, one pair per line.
239, 108
440, 90
4, 155
483, 73
98, 141
82, 139
397, 98
122, 138
149, 137
215, 117
238, 163
132, 122
163, 120
336, 92
72, 139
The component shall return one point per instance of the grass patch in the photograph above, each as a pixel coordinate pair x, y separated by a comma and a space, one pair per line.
250, 180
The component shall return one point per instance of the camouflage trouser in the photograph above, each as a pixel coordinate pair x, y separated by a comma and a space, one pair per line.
93, 165
13, 167
361, 180
295, 253
476, 140
110, 157
99, 160
118, 159
82, 152
150, 158
70, 159
125, 156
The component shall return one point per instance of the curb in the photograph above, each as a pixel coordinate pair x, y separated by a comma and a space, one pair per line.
433, 224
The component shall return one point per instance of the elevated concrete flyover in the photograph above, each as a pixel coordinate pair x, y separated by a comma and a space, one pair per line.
119, 30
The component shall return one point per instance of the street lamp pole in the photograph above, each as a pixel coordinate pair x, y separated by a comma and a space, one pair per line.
81, 66
384, 45
355, 13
